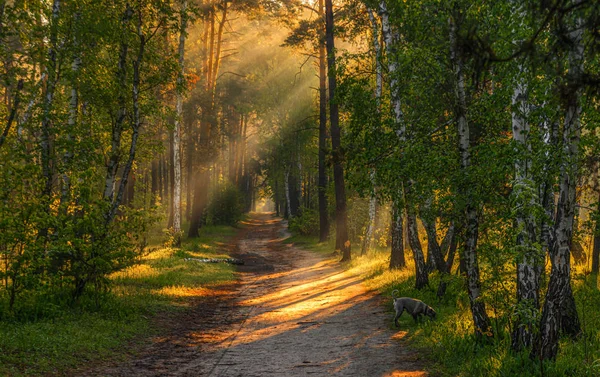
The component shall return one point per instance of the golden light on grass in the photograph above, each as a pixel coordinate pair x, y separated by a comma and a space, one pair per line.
135, 272
181, 291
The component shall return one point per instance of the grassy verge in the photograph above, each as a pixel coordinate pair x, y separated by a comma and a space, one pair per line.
55, 339
448, 342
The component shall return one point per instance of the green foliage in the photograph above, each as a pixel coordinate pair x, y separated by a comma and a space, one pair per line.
307, 224
226, 205
67, 221
43, 334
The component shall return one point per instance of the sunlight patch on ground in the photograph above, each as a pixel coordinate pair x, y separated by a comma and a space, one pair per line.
399, 373
399, 335
181, 291
135, 272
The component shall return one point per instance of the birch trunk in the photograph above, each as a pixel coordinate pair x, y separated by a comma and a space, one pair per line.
559, 311
136, 124
342, 240
397, 257
390, 39
481, 320
117, 129
529, 259
368, 241
177, 131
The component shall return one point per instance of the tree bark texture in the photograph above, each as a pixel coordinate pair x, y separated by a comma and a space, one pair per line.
422, 278
323, 213
177, 131
397, 257
368, 241
529, 260
342, 239
559, 311
481, 320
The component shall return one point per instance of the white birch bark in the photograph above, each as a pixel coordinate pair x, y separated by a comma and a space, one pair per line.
480, 317
178, 118
529, 259
559, 312
368, 241
390, 37
117, 129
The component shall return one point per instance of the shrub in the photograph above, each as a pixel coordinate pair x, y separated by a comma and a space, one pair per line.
226, 206
306, 224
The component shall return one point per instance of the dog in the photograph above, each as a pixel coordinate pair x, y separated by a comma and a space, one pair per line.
414, 307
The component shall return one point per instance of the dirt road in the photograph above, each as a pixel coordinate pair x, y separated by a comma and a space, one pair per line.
293, 313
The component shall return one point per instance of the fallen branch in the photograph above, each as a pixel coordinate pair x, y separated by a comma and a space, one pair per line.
216, 260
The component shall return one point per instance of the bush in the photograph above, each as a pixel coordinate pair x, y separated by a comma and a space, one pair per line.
226, 206
307, 224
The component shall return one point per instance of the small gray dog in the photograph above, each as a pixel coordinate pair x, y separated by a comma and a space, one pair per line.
414, 307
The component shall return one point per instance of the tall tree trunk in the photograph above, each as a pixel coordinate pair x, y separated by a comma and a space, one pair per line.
596, 249
397, 258
422, 279
480, 318
52, 70
171, 218
136, 123
117, 129
177, 130
288, 199
72, 121
165, 178
323, 213
434, 251
189, 170
13, 111
202, 182
368, 241
529, 259
342, 239
217, 59
559, 311
390, 37
451, 252
154, 177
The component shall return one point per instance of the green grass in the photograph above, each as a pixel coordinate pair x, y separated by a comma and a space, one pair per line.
448, 342
56, 338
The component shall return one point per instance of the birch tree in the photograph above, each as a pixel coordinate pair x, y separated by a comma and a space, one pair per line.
390, 37
481, 320
178, 119
559, 311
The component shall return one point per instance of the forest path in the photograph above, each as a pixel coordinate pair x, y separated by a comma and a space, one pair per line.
293, 313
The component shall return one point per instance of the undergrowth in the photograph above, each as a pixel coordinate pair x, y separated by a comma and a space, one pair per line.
45, 335
448, 342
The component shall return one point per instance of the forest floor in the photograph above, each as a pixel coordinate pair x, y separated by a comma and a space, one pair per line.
291, 312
